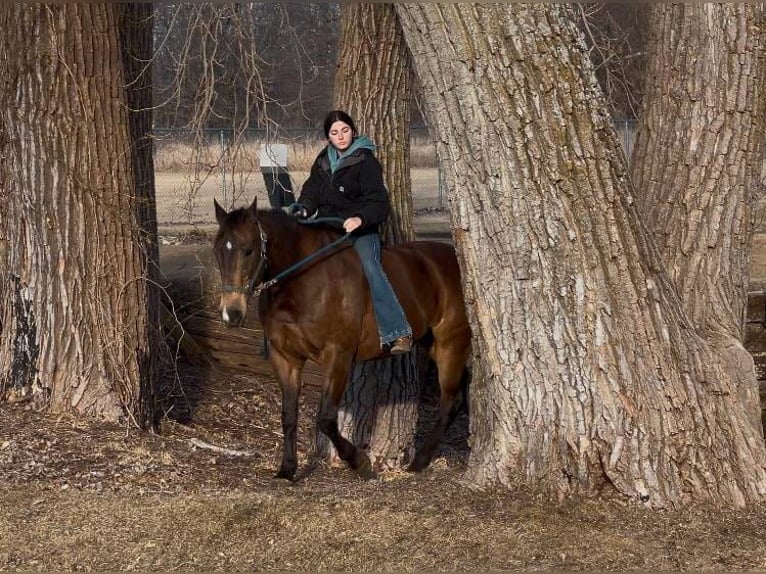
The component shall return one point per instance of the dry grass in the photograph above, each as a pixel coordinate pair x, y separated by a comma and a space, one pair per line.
365, 527
80, 495
87, 496
176, 156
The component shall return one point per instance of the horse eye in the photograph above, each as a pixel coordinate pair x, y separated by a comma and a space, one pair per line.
248, 252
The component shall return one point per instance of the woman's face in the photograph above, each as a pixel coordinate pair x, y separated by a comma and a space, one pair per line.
340, 135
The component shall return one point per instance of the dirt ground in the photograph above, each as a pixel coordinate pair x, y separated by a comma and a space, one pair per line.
83, 495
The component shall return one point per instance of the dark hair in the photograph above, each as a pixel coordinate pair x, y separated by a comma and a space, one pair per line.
337, 116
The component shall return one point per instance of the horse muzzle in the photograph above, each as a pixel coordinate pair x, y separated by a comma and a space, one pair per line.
233, 308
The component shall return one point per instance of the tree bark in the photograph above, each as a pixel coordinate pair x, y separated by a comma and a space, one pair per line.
587, 373
697, 176
373, 83
81, 329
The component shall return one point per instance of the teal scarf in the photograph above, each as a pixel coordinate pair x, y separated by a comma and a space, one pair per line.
336, 159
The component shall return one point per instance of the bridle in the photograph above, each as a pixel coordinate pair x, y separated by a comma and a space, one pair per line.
250, 288
253, 289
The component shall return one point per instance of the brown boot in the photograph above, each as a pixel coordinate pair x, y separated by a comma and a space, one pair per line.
401, 345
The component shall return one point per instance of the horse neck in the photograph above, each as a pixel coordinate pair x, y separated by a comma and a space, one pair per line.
287, 241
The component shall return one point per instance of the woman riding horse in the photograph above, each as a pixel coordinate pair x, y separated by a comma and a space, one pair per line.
346, 181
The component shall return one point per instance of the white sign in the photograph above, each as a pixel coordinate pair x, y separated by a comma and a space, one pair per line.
273, 155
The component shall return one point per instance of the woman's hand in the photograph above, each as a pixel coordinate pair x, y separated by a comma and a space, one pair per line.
352, 223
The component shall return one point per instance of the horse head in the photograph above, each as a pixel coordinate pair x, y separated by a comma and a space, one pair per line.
240, 250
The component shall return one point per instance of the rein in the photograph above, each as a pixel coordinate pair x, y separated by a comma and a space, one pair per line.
257, 289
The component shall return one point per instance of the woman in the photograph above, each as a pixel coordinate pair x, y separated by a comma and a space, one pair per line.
346, 181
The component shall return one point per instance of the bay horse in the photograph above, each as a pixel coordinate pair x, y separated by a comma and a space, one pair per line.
321, 310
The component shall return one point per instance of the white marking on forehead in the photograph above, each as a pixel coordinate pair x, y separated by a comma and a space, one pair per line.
229, 245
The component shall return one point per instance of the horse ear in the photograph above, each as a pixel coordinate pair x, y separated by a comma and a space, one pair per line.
220, 213
253, 209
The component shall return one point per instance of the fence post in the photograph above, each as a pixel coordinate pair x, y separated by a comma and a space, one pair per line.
440, 182
273, 158
223, 169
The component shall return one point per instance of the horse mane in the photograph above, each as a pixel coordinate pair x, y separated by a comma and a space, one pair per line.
290, 240
277, 219
241, 215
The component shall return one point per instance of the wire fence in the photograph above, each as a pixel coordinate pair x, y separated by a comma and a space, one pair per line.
193, 169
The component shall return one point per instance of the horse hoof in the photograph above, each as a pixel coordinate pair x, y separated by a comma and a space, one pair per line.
419, 464
285, 474
363, 466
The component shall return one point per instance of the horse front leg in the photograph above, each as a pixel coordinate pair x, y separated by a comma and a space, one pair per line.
337, 371
289, 374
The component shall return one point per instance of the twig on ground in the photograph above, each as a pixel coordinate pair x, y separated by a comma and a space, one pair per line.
223, 450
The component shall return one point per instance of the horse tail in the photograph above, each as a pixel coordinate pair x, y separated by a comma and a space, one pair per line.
461, 398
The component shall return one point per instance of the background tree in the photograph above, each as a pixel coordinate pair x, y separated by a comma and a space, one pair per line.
205, 54
238, 66
373, 83
616, 35
80, 319
697, 177
587, 372
225, 70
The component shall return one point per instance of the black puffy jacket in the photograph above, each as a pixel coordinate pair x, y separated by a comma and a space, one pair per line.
355, 189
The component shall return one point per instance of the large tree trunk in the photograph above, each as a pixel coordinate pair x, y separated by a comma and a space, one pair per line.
587, 373
373, 83
79, 331
697, 176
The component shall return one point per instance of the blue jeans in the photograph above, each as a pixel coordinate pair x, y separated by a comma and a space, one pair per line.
392, 323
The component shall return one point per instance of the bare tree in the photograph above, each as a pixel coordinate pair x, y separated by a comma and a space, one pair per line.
80, 320
225, 70
588, 374
252, 65
616, 35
